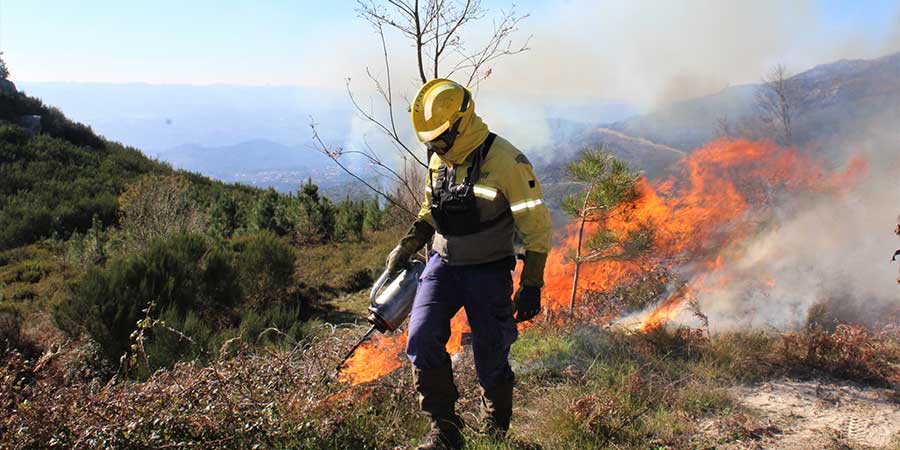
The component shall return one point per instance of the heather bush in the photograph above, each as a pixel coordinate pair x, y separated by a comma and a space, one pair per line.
279, 398
202, 293
265, 265
182, 274
156, 207
850, 352
11, 336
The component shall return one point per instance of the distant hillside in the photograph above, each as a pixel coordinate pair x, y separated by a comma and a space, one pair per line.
840, 103
57, 175
836, 98
689, 124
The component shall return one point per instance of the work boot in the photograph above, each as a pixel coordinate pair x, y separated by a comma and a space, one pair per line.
444, 435
496, 409
437, 398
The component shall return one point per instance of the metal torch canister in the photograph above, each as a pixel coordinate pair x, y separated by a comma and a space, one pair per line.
392, 298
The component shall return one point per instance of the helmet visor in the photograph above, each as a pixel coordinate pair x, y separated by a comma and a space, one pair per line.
428, 136
442, 143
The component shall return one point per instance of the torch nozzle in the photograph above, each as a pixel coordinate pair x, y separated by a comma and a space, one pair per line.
364, 338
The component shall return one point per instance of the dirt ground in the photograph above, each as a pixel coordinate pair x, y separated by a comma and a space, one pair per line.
819, 415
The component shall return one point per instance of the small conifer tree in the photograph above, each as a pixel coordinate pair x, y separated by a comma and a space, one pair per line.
610, 184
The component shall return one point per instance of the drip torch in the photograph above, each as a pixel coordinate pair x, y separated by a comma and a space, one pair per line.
390, 302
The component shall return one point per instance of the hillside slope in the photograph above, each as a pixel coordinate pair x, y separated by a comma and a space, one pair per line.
57, 175
834, 99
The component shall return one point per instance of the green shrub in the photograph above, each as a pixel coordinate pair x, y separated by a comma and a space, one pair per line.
180, 337
280, 324
181, 274
265, 265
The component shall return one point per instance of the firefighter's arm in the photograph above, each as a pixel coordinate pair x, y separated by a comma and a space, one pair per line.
418, 235
526, 201
425, 209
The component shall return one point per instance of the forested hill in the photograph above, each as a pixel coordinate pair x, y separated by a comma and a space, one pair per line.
56, 175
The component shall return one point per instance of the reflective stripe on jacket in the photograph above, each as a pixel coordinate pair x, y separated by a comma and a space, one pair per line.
507, 184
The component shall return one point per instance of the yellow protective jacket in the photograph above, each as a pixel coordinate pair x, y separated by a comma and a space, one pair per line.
508, 197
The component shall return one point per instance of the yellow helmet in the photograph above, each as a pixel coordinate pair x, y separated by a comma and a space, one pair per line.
440, 109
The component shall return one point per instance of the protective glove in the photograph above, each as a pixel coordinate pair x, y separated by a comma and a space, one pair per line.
419, 235
527, 303
528, 298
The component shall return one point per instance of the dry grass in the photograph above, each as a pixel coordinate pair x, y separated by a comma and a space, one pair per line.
256, 399
580, 387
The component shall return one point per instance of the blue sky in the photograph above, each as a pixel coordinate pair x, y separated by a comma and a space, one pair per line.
319, 42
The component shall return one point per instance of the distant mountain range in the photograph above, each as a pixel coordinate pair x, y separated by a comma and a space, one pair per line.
259, 135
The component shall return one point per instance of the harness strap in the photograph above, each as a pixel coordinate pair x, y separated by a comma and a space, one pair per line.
480, 155
474, 172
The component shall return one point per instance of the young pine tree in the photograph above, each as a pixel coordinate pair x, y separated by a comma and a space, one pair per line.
349, 220
223, 216
609, 185
317, 213
374, 217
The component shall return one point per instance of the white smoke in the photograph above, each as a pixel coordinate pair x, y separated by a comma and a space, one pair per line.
651, 53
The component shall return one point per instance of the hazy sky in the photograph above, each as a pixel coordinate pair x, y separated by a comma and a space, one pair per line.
644, 51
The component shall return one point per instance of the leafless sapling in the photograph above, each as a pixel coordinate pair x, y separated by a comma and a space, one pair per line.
435, 30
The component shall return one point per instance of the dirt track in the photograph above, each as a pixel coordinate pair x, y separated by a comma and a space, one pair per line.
818, 415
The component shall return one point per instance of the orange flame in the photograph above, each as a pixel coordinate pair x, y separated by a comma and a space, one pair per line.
724, 189
383, 354
374, 359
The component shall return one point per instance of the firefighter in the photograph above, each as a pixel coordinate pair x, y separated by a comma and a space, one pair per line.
481, 195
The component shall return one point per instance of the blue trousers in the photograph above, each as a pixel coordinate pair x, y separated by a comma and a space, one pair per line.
485, 291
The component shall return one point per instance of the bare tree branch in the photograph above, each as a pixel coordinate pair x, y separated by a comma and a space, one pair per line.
335, 156
389, 132
434, 28
419, 43
777, 100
